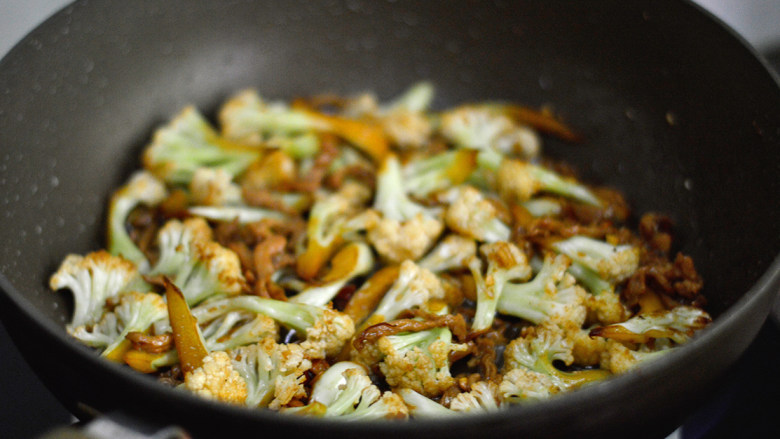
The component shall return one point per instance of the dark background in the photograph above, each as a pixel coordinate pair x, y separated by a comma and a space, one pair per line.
748, 405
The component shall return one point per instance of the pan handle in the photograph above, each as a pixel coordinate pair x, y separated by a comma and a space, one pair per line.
116, 426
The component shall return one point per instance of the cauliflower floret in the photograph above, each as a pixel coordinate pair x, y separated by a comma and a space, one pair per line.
406, 228
612, 262
605, 308
93, 279
407, 129
217, 379
413, 287
214, 187
274, 373
520, 385
586, 350
518, 181
249, 119
199, 266
419, 361
482, 398
453, 252
473, 216
397, 241
618, 358
539, 348
328, 334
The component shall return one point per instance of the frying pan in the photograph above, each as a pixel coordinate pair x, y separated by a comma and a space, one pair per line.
677, 112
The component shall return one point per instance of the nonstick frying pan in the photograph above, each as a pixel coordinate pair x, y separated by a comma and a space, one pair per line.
677, 112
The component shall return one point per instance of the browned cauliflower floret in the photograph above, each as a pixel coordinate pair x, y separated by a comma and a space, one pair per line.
539, 348
217, 379
214, 187
605, 308
520, 385
419, 361
328, 334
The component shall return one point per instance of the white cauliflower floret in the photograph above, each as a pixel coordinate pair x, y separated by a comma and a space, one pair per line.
482, 398
586, 350
199, 266
397, 241
617, 358
93, 279
325, 330
413, 287
473, 216
678, 324
274, 373
345, 390
453, 252
538, 348
189, 142
505, 263
217, 379
475, 127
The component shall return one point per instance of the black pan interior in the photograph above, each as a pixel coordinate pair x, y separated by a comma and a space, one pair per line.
677, 112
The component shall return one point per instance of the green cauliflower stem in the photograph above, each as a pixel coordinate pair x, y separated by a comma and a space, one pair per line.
236, 329
518, 181
406, 229
325, 330
613, 263
452, 252
248, 119
505, 263
188, 143
142, 188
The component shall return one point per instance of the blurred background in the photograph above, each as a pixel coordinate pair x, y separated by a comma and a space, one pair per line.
30, 410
